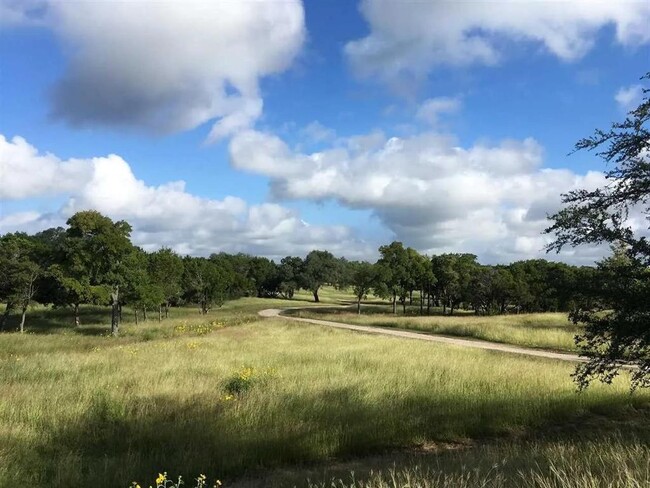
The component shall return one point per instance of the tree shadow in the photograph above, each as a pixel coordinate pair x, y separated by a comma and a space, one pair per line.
117, 440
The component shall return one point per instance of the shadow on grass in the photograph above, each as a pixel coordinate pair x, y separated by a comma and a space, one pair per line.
116, 441
43, 320
375, 308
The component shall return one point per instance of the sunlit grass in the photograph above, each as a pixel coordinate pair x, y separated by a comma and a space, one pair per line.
91, 410
538, 330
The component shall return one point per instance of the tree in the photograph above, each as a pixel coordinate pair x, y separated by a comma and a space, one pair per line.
320, 267
205, 283
19, 274
363, 277
454, 274
165, 269
289, 274
421, 276
139, 289
264, 276
618, 327
394, 270
96, 248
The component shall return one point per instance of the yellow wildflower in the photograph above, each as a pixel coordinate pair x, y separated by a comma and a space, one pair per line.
161, 478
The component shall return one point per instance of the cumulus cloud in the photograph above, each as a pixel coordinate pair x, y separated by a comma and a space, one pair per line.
317, 132
628, 98
165, 215
430, 192
409, 39
431, 110
25, 173
167, 66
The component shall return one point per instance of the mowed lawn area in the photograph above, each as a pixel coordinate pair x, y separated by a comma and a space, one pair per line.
551, 331
274, 403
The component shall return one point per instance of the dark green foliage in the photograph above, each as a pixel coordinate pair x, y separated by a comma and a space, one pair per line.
454, 273
617, 318
290, 270
320, 268
93, 258
206, 283
362, 277
19, 275
395, 273
264, 277
165, 269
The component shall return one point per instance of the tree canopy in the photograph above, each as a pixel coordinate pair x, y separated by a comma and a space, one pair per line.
617, 321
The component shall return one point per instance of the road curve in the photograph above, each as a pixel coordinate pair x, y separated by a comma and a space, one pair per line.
491, 346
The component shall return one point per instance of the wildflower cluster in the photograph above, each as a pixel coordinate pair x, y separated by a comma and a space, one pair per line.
198, 329
244, 380
163, 481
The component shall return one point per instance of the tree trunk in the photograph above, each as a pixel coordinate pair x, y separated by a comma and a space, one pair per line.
404, 306
77, 321
421, 301
315, 292
359, 306
451, 308
115, 312
429, 300
166, 310
411, 297
159, 313
135, 312
394, 303
5, 316
22, 319
144, 313
444, 307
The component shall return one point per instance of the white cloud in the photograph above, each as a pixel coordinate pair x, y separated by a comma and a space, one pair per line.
165, 215
317, 132
408, 39
431, 110
168, 66
25, 173
628, 98
431, 193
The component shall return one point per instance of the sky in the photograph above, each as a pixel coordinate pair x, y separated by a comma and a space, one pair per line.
278, 127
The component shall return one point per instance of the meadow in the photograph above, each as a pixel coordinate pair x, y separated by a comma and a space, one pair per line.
551, 331
256, 402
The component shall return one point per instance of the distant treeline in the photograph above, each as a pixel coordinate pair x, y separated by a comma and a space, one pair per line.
93, 261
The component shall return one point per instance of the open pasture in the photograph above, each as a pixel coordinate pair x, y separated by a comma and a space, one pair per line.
271, 403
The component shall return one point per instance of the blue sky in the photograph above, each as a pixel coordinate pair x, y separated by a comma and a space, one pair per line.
295, 125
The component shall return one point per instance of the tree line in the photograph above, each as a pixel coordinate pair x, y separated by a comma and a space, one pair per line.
93, 261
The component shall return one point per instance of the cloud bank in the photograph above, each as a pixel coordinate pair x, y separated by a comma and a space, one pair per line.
165, 215
431, 193
408, 40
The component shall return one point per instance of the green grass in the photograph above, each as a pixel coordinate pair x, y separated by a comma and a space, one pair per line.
80, 409
538, 330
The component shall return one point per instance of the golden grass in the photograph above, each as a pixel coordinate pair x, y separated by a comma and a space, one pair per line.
538, 330
89, 410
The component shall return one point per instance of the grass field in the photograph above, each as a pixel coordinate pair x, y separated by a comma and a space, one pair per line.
540, 330
271, 403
